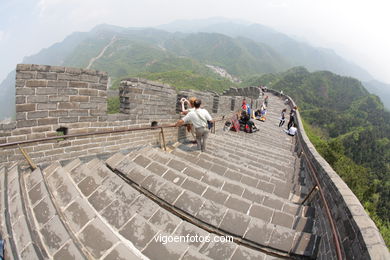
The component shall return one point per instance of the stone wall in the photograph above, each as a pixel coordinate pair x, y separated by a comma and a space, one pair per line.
50, 98
360, 238
50, 95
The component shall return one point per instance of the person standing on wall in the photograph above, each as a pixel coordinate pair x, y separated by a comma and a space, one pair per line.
198, 118
292, 117
282, 117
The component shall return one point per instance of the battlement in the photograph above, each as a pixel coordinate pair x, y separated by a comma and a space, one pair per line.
52, 101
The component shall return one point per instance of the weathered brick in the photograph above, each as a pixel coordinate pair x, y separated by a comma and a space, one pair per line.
26, 123
58, 98
67, 105
40, 129
68, 77
88, 106
90, 72
98, 99
79, 99
25, 107
21, 67
98, 86
94, 112
25, 91
46, 75
68, 120
38, 114
69, 91
24, 131
88, 119
88, 92
54, 152
37, 99
57, 84
48, 121
78, 84
59, 69
46, 91
12, 139
89, 78
21, 116
35, 67
46, 106
37, 135
73, 70
36, 83
58, 113
25, 75
78, 112
20, 100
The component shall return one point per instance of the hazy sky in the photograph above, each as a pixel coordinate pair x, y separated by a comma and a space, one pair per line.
356, 29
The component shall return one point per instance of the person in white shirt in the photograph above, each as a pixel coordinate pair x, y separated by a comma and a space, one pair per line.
292, 130
198, 118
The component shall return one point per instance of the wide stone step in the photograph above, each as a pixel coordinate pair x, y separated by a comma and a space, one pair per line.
218, 189
242, 225
252, 151
90, 230
142, 222
17, 229
244, 177
256, 144
253, 162
259, 164
53, 230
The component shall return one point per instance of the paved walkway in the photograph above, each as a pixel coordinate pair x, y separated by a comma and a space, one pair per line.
246, 186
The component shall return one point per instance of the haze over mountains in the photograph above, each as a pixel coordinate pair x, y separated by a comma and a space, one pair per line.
180, 52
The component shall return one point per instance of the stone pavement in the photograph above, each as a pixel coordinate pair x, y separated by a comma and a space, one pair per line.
246, 186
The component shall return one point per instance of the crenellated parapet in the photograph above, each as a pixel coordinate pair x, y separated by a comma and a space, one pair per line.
54, 100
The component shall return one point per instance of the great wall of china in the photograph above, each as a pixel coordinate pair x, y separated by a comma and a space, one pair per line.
54, 101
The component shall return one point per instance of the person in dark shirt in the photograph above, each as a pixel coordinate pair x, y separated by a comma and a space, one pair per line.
292, 117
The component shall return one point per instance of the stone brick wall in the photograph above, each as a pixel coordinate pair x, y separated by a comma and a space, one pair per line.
360, 238
52, 97
142, 99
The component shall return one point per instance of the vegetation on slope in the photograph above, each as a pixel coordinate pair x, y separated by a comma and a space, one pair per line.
350, 129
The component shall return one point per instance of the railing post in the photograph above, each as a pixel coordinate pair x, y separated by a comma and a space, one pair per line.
32, 164
315, 188
163, 139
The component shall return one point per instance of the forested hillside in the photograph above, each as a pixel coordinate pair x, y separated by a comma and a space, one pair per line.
350, 129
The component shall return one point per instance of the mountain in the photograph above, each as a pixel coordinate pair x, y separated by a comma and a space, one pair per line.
296, 52
380, 89
240, 49
173, 58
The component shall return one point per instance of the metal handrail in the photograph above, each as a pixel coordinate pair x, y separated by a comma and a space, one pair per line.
84, 134
313, 173
92, 133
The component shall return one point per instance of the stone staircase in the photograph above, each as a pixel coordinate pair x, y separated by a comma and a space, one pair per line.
247, 186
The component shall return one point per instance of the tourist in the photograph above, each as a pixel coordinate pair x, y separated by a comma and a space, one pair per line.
292, 130
282, 117
292, 117
199, 118
266, 101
